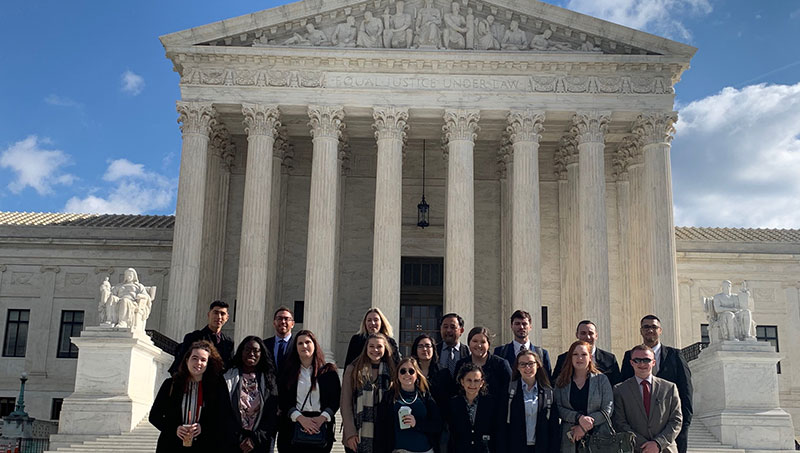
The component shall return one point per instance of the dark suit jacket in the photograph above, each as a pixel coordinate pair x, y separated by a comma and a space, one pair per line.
664, 422
269, 343
356, 346
606, 362
481, 437
497, 375
224, 347
514, 438
462, 349
506, 351
329, 396
673, 368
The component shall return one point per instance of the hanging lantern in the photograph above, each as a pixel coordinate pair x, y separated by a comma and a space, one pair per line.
423, 209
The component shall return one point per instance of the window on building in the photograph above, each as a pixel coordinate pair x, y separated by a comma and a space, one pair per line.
704, 337
770, 335
545, 319
7, 404
55, 408
71, 326
16, 333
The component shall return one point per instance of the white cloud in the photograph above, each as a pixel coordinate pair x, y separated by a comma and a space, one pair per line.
133, 190
660, 17
736, 159
132, 83
35, 167
61, 101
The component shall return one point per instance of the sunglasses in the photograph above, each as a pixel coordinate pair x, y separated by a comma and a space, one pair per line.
409, 371
642, 360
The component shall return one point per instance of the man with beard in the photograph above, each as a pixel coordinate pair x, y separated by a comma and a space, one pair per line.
521, 324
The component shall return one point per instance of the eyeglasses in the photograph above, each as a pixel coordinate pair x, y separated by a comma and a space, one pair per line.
650, 327
408, 371
527, 364
424, 346
642, 360
283, 318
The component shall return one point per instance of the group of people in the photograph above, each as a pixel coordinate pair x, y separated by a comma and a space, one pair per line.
443, 397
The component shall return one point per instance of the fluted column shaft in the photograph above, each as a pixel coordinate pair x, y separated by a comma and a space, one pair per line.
261, 123
505, 172
326, 124
196, 120
524, 128
390, 132
461, 127
566, 161
656, 131
641, 278
590, 130
275, 216
629, 306
222, 219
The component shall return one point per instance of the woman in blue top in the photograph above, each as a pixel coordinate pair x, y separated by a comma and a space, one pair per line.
408, 418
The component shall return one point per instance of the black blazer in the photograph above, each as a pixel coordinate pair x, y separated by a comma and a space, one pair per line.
463, 350
386, 417
216, 419
330, 390
483, 436
506, 351
269, 343
606, 362
673, 368
497, 375
357, 343
548, 432
224, 347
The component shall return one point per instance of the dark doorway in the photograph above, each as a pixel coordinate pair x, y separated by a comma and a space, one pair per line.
421, 299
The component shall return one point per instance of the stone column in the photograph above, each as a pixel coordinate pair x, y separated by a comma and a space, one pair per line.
566, 157
641, 287
276, 215
390, 132
326, 128
260, 123
524, 128
460, 131
655, 130
505, 172
589, 128
628, 312
41, 320
197, 118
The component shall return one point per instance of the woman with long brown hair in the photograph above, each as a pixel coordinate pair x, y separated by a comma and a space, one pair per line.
308, 398
374, 322
496, 370
582, 395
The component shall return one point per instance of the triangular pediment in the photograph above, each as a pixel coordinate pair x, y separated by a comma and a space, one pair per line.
497, 25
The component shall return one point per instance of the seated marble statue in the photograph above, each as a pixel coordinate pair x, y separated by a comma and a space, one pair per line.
127, 304
345, 34
485, 40
543, 42
314, 37
453, 36
370, 32
730, 316
398, 32
429, 19
514, 39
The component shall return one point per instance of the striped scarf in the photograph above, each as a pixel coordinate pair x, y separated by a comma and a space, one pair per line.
366, 400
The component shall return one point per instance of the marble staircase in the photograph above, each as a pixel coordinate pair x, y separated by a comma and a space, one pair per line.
701, 440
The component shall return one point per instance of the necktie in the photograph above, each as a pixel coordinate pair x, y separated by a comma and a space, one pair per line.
451, 360
646, 397
523, 348
281, 352
218, 338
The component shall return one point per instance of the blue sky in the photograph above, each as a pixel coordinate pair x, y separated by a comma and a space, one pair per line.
87, 104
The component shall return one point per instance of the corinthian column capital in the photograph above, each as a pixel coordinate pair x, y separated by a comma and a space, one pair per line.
591, 126
326, 121
628, 153
261, 119
525, 125
390, 123
655, 127
566, 154
461, 124
196, 117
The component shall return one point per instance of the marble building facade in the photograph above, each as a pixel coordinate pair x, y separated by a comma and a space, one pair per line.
547, 140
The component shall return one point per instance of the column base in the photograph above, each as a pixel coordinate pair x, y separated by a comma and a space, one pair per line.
750, 430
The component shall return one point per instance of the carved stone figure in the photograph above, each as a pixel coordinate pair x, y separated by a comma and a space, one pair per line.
470, 37
429, 22
588, 46
345, 33
498, 30
313, 37
370, 32
730, 316
514, 38
398, 33
484, 39
455, 28
127, 304
543, 42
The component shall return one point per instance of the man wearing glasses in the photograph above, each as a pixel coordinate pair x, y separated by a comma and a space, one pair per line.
670, 365
278, 345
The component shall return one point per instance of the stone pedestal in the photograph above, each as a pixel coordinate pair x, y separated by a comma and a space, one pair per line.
736, 396
117, 377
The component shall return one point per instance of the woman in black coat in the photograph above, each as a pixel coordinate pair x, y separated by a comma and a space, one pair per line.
479, 433
253, 394
192, 407
309, 395
374, 322
496, 370
424, 350
529, 383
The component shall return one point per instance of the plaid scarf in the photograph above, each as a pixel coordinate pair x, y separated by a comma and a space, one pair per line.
366, 399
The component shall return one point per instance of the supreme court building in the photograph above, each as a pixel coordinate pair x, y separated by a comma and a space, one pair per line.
540, 138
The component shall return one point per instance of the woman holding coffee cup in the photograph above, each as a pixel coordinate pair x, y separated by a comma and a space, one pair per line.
191, 409
408, 419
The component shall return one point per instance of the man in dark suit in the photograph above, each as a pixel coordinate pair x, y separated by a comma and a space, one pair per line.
217, 317
278, 346
648, 406
605, 361
669, 365
521, 324
450, 350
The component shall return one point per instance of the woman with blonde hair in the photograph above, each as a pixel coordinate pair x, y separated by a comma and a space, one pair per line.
374, 322
582, 395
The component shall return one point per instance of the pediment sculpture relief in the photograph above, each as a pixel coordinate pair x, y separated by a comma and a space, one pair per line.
425, 25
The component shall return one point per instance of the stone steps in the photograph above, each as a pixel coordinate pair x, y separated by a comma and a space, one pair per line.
701, 440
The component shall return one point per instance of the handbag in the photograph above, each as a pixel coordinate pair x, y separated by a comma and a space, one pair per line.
301, 438
610, 442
